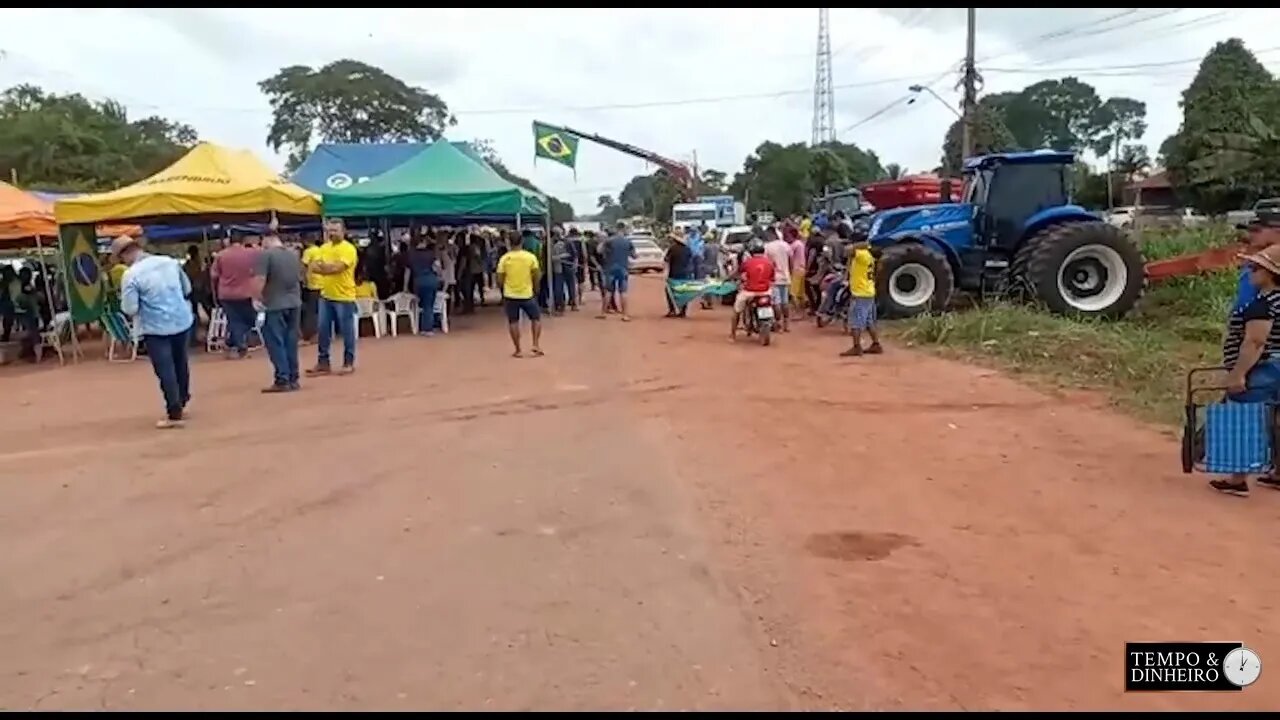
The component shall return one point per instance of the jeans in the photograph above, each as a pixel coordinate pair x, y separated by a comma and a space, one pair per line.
168, 355
566, 287
280, 334
343, 314
427, 287
1262, 384
241, 318
310, 309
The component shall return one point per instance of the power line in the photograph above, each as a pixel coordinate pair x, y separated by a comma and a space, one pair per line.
1069, 33
1158, 33
899, 102
1103, 68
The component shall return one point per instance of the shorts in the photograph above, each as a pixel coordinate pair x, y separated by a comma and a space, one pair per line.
862, 313
514, 308
781, 291
615, 280
744, 297
797, 288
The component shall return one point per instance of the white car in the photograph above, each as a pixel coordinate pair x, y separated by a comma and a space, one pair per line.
648, 256
1122, 217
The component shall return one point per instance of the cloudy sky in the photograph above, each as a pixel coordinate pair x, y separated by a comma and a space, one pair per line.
717, 81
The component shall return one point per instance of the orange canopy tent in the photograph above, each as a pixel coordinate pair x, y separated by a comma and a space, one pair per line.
24, 217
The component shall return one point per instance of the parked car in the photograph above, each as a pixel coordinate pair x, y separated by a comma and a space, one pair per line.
1122, 217
649, 257
1244, 217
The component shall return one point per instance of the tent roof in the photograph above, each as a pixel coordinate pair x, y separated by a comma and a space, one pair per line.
208, 180
23, 215
440, 181
335, 166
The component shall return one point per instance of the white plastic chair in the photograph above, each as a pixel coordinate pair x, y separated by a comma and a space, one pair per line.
442, 309
52, 338
216, 337
402, 305
370, 309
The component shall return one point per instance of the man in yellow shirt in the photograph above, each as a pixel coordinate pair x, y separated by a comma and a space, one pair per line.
518, 275
336, 264
311, 287
862, 306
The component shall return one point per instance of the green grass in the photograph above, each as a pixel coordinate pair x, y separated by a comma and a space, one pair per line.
1139, 362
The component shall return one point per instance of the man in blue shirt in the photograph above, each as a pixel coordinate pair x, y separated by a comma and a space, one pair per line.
616, 253
155, 290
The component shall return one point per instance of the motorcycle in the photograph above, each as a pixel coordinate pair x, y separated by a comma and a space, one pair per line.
759, 318
833, 307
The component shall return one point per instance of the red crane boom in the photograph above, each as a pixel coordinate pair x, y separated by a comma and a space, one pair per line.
679, 173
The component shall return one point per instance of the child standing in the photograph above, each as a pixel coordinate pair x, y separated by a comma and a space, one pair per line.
862, 307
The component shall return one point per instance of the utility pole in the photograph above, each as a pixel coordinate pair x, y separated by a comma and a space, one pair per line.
970, 87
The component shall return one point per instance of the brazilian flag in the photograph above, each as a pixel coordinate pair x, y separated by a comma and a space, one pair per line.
88, 292
556, 144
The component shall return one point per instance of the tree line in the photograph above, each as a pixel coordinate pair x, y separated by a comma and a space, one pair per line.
69, 142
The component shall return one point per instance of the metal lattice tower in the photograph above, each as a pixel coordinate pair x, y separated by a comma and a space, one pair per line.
824, 105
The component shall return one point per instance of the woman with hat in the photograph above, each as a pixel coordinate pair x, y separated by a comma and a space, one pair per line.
1251, 350
154, 290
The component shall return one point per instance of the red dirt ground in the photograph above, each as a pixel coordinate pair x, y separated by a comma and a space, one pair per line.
649, 517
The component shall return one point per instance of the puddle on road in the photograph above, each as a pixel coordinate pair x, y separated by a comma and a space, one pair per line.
857, 546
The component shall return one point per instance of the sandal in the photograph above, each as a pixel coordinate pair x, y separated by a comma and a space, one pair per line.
1229, 487
538, 353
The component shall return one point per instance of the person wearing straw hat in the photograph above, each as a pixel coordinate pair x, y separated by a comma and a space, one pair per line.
154, 290
1251, 349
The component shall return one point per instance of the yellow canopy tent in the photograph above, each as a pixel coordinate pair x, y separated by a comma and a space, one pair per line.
209, 180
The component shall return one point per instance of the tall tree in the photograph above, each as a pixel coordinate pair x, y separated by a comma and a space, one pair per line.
827, 170
348, 101
712, 182
67, 142
1059, 114
604, 201
1132, 161
894, 171
1228, 101
989, 135
1118, 120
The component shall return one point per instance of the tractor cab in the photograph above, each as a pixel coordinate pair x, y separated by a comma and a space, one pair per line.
1011, 192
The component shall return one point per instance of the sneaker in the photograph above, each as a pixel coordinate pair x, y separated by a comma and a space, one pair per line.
319, 370
347, 370
875, 349
168, 424
276, 389
855, 351
1269, 481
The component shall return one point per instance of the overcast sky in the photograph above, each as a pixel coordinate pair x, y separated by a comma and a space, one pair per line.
673, 81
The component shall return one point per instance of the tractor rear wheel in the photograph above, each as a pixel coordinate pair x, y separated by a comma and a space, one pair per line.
912, 279
1085, 268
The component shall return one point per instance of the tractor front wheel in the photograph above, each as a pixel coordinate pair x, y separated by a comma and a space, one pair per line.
1085, 268
912, 279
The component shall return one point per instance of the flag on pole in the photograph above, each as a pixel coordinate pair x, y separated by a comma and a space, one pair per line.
84, 276
556, 144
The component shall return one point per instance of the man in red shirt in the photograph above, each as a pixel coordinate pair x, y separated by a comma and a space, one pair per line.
232, 276
756, 279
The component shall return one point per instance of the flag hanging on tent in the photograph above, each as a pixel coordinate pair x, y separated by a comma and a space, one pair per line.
556, 144
84, 276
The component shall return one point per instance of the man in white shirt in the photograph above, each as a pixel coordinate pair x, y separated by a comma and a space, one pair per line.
777, 250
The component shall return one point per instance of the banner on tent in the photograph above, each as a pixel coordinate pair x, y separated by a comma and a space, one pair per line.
86, 294
684, 292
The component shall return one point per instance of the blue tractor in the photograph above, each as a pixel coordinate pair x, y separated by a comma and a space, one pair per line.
1016, 232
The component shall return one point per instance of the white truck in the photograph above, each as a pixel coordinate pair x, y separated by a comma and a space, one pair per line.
694, 214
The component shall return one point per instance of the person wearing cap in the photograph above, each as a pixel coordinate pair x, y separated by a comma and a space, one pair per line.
1251, 349
1261, 232
679, 261
154, 290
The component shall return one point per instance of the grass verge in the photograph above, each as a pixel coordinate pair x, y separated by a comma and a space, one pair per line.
1140, 362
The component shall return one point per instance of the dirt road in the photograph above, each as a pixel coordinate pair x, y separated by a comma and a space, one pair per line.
647, 518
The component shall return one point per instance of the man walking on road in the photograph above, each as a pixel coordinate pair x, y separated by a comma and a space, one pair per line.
337, 264
779, 252
154, 290
278, 287
616, 253
232, 275
518, 275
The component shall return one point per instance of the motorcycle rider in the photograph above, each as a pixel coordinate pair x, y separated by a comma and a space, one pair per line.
755, 278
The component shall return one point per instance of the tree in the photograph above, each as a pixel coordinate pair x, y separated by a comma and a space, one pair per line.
348, 101
712, 182
989, 135
1222, 115
1133, 161
894, 171
605, 201
1117, 120
67, 142
784, 179
1059, 114
560, 210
